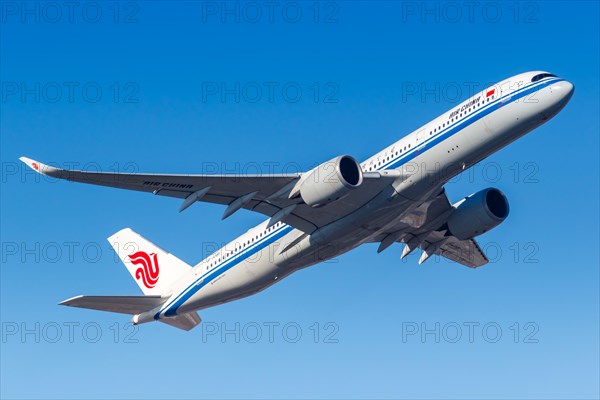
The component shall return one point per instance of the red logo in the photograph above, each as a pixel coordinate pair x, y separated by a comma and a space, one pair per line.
148, 270
35, 166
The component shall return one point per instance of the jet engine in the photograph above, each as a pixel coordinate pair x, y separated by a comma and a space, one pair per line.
478, 213
331, 181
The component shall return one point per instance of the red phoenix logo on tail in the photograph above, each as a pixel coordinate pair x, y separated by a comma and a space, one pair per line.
148, 270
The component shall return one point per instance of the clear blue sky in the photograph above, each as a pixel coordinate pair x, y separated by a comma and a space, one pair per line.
368, 73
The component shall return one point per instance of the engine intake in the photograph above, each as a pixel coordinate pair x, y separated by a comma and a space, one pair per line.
331, 181
478, 213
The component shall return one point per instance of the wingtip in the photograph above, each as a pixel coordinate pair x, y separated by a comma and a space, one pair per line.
33, 164
38, 166
68, 301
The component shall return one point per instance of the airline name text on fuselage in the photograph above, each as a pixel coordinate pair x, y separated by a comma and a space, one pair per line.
464, 107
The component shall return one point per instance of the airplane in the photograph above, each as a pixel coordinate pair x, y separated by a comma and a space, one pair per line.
395, 196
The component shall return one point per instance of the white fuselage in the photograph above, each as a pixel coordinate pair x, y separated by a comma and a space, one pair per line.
426, 159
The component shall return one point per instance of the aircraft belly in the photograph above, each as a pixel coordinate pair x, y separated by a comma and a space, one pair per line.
246, 278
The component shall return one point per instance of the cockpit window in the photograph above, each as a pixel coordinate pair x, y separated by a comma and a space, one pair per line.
542, 76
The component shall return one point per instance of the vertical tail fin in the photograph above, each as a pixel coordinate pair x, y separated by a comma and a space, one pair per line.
154, 269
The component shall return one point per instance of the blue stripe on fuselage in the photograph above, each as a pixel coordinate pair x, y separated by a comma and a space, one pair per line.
464, 122
172, 306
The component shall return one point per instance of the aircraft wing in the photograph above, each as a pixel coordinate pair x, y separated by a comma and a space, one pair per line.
465, 252
266, 194
423, 227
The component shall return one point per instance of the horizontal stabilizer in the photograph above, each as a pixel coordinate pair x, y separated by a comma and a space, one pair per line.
119, 304
187, 322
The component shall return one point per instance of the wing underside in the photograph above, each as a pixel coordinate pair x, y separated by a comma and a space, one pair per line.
265, 194
464, 252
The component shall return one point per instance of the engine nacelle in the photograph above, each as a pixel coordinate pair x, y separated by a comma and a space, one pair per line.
331, 181
478, 213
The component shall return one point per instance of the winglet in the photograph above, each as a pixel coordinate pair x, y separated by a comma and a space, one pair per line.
38, 166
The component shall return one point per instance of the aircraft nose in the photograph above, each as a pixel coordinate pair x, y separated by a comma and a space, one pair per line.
565, 89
